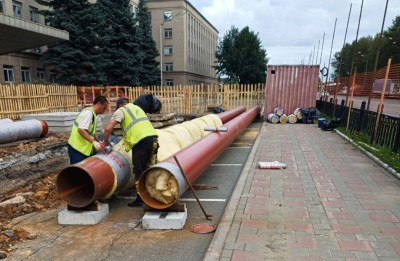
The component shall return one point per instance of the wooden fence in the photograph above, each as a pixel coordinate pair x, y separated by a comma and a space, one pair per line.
189, 99
21, 99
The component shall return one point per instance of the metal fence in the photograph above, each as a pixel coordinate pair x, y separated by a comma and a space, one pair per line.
363, 121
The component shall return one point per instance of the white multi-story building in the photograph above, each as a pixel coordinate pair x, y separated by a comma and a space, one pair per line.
21, 27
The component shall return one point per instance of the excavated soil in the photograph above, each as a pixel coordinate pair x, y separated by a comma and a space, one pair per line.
28, 171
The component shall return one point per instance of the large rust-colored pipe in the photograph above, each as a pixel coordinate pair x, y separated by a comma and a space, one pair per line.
102, 175
197, 157
97, 177
229, 115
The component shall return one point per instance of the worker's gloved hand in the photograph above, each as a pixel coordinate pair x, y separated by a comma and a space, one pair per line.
98, 146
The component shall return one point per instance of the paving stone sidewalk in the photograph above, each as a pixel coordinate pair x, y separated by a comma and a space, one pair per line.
331, 203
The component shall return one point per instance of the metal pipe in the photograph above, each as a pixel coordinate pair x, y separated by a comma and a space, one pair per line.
216, 129
20, 130
97, 177
5, 121
102, 175
197, 157
229, 115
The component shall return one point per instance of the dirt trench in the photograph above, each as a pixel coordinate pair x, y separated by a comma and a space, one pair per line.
28, 171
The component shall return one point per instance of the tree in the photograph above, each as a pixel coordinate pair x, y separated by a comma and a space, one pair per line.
120, 56
391, 44
363, 53
240, 57
74, 60
252, 58
225, 55
357, 53
149, 74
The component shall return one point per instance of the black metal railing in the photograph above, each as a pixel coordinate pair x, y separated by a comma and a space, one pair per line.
363, 121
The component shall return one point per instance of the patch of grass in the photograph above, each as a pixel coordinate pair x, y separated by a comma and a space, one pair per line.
383, 153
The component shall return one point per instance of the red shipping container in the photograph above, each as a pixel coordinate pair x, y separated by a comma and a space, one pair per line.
290, 87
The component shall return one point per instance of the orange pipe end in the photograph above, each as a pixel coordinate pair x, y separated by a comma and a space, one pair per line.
82, 183
45, 128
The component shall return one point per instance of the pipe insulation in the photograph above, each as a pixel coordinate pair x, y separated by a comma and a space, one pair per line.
21, 130
5, 121
161, 185
102, 175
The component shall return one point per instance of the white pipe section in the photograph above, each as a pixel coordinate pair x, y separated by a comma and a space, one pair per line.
21, 130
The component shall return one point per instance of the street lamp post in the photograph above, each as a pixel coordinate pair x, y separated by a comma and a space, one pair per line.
161, 55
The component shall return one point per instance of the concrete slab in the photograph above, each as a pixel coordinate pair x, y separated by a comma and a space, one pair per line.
75, 217
63, 121
51, 116
57, 121
164, 220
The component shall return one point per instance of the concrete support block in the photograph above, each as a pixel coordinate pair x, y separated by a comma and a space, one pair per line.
164, 220
81, 217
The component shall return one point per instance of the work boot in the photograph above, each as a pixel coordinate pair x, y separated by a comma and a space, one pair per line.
138, 202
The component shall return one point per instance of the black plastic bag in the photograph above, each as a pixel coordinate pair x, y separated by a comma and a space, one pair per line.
148, 103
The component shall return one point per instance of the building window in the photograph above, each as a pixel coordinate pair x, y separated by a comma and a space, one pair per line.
8, 73
168, 50
169, 67
167, 16
17, 9
169, 82
34, 12
53, 76
1, 6
26, 75
40, 74
168, 33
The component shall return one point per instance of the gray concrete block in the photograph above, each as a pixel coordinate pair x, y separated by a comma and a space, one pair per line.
51, 116
57, 121
164, 220
75, 217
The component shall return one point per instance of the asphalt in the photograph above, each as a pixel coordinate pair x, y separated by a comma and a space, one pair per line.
333, 201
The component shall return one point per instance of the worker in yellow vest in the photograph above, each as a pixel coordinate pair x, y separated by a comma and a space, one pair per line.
83, 141
139, 136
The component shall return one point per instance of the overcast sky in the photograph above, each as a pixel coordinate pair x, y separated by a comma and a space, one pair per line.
290, 29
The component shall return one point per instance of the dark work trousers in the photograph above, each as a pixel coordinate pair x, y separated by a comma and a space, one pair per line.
143, 153
75, 156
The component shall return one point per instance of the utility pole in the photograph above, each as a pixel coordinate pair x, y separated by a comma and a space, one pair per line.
377, 55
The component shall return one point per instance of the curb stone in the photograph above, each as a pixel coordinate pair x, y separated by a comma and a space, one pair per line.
370, 155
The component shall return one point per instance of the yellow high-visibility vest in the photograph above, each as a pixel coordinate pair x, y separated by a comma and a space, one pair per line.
77, 141
135, 126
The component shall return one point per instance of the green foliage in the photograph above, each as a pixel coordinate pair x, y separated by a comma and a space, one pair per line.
74, 60
241, 57
363, 53
107, 46
149, 73
391, 44
385, 154
116, 42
